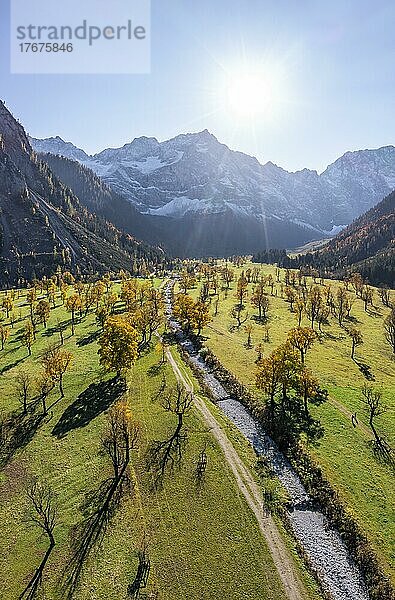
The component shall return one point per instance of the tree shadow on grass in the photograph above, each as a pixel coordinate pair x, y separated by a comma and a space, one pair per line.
50, 331
374, 312
163, 455
155, 370
97, 398
98, 509
16, 430
327, 335
11, 365
88, 339
365, 370
353, 319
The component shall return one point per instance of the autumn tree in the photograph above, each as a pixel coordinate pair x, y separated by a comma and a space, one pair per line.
73, 303
102, 315
28, 336
241, 290
128, 293
367, 296
56, 362
145, 319
288, 388
341, 304
204, 291
310, 390
290, 296
118, 345
51, 294
227, 276
270, 375
187, 281
30, 299
270, 283
202, 315
314, 301
357, 283
8, 305
4, 335
109, 301
12, 318
43, 310
302, 338
322, 317
356, 339
260, 300
184, 311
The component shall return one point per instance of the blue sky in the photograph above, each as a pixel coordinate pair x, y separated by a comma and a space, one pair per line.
337, 61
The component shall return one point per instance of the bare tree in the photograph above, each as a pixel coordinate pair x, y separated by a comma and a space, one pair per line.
43, 514
237, 313
385, 296
389, 328
23, 385
45, 386
120, 437
249, 329
373, 401
356, 339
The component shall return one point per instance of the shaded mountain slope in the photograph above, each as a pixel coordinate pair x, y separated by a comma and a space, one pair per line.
43, 225
366, 246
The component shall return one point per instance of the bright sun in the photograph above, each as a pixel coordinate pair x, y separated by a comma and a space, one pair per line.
253, 93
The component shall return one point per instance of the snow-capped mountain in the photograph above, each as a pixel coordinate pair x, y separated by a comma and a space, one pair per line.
56, 145
194, 174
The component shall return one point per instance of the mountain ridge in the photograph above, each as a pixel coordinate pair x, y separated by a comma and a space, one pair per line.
195, 174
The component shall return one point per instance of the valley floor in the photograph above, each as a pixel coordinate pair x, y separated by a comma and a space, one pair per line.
204, 541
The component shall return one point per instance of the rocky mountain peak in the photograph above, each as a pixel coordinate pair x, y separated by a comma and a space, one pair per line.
13, 138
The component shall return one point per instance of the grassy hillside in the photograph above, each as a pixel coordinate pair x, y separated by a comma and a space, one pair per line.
203, 542
365, 483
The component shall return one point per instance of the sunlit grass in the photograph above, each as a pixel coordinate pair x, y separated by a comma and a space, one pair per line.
365, 483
